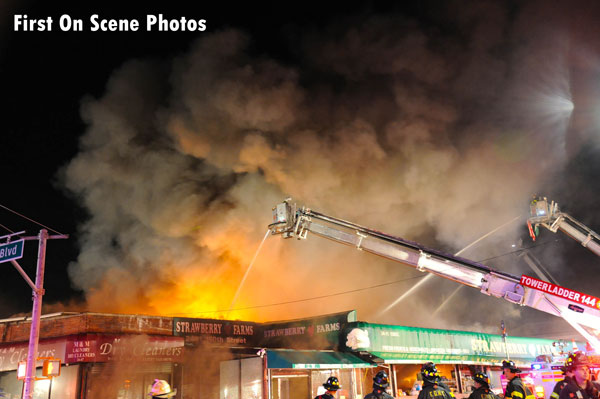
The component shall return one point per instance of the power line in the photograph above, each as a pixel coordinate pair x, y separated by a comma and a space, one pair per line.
31, 220
522, 249
305, 299
6, 228
354, 290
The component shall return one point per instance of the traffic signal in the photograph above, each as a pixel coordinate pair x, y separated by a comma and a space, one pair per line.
51, 368
22, 370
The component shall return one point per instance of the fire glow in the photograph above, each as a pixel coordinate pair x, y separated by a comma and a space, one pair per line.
197, 290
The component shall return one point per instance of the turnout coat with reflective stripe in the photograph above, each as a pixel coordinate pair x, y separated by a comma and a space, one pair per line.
434, 391
559, 386
483, 393
574, 391
515, 389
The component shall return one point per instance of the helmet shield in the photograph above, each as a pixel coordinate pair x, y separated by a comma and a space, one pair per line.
381, 380
509, 364
575, 360
482, 378
429, 372
332, 384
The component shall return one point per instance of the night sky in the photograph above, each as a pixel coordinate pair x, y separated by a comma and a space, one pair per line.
162, 153
48, 74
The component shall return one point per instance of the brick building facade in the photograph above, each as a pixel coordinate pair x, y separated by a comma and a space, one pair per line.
103, 355
119, 356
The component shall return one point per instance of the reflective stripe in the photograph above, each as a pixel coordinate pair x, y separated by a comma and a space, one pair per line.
517, 394
554, 395
529, 397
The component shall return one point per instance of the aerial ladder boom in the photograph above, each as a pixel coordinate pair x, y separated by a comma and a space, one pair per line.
549, 216
290, 221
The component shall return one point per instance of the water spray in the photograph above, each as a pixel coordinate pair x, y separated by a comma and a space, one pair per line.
463, 250
399, 299
239, 289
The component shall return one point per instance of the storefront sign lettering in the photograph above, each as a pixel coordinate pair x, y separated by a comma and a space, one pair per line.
285, 331
484, 347
243, 330
122, 348
10, 356
187, 327
313, 333
322, 328
226, 330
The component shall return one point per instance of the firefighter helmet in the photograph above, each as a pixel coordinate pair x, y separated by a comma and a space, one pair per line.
430, 372
161, 389
576, 359
509, 364
381, 380
482, 378
332, 384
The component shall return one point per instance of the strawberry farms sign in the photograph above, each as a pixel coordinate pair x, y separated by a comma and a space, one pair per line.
320, 332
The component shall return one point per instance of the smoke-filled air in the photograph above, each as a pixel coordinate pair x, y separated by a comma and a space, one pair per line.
434, 133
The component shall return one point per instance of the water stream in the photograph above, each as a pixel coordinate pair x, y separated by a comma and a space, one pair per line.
239, 289
400, 298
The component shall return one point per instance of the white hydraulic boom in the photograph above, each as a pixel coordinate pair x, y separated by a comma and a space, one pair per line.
573, 306
549, 216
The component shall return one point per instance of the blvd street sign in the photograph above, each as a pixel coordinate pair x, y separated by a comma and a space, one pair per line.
10, 251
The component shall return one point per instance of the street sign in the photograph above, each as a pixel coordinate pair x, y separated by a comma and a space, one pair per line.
12, 250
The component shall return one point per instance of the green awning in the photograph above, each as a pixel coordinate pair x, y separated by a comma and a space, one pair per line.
397, 358
306, 359
446, 345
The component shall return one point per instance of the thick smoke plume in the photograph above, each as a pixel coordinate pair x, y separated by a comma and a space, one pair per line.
431, 133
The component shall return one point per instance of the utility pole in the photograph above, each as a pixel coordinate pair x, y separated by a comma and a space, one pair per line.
38, 292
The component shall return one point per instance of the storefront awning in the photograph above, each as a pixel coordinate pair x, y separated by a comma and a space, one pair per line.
398, 358
400, 344
306, 359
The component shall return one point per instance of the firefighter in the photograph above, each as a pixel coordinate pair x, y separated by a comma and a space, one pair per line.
482, 387
380, 383
161, 390
580, 386
562, 383
439, 378
331, 385
432, 389
515, 389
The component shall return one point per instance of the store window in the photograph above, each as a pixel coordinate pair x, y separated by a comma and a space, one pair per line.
10, 387
345, 376
302, 384
407, 383
448, 376
241, 378
290, 386
61, 387
125, 381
